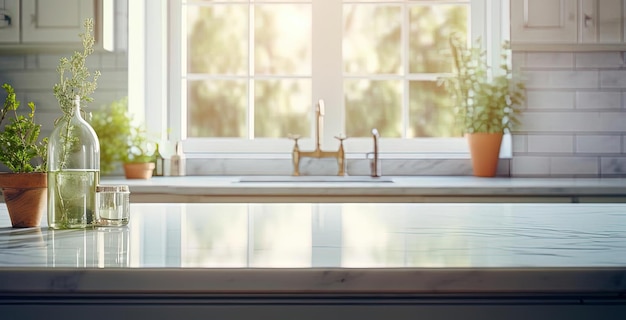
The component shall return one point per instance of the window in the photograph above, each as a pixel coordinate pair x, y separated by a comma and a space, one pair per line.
244, 75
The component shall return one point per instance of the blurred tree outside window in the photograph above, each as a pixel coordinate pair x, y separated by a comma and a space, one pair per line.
247, 72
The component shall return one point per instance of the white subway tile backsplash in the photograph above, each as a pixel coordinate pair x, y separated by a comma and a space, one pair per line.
108, 61
530, 166
598, 100
519, 143
49, 61
613, 79
550, 143
574, 166
113, 79
539, 99
518, 60
569, 122
549, 60
599, 60
562, 79
30, 80
44, 99
32, 62
598, 144
613, 165
12, 62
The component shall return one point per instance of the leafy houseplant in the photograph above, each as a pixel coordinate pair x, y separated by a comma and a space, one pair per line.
74, 150
21, 151
139, 160
113, 126
122, 141
487, 105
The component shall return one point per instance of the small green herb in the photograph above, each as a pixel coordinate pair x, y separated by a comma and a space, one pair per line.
75, 79
20, 147
485, 103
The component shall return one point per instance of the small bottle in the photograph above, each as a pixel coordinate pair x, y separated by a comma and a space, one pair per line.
178, 161
159, 163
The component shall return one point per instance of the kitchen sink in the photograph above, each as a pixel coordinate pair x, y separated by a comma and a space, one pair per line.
321, 179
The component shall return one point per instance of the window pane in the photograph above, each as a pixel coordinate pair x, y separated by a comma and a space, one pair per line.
373, 104
282, 107
430, 112
371, 39
217, 39
217, 108
429, 32
282, 38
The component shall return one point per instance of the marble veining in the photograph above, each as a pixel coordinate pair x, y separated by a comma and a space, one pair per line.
328, 247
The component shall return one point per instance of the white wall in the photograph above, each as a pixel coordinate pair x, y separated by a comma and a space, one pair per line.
574, 122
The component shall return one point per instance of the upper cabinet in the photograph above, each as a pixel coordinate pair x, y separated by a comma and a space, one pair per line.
45, 25
9, 21
45, 21
567, 24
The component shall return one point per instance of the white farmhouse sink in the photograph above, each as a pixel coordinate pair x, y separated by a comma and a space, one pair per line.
322, 179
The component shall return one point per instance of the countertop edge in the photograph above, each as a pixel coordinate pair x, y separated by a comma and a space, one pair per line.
316, 281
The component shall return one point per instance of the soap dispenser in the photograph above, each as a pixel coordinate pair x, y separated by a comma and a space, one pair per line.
178, 161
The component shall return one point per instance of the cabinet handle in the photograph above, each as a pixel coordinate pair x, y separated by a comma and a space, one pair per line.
588, 19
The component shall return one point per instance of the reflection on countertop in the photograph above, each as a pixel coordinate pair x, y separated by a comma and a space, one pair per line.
350, 235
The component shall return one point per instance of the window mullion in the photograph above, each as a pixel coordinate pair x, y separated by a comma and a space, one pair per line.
327, 68
405, 69
251, 73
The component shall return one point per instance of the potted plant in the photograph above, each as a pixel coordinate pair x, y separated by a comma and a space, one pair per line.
487, 105
139, 158
24, 189
121, 141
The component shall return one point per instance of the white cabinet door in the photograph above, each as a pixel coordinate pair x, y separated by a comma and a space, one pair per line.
54, 21
544, 21
601, 21
9, 21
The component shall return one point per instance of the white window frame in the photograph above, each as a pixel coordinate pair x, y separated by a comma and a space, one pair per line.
162, 92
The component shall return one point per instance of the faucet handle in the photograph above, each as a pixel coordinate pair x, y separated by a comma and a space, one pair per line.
341, 137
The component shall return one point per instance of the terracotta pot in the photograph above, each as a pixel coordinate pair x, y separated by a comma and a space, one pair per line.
141, 170
25, 196
485, 151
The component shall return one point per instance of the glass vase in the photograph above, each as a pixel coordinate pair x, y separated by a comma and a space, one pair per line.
73, 172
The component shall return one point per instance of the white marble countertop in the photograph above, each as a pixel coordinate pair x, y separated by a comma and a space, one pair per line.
366, 189
327, 247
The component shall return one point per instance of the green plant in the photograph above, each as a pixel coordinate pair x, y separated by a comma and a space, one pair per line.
140, 148
112, 124
120, 139
484, 103
75, 79
19, 145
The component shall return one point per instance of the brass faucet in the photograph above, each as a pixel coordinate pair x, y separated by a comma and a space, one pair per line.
375, 167
296, 154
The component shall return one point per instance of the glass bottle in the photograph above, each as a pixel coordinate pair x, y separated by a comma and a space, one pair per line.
73, 172
159, 163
